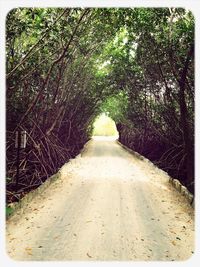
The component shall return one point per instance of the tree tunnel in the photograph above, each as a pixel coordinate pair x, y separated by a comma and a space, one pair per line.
67, 66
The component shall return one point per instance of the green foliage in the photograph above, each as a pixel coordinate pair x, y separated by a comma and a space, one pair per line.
116, 106
9, 211
67, 66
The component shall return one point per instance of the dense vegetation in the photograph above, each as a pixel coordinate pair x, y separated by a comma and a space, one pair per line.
67, 66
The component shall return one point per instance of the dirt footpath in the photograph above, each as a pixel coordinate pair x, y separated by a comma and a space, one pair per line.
107, 205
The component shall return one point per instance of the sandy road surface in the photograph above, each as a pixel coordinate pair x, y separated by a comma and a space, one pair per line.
108, 205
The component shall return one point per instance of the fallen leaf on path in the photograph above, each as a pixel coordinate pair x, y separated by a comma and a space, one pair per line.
165, 212
174, 243
28, 251
88, 221
89, 255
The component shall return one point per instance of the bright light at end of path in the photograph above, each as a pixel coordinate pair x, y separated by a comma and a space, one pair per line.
105, 138
104, 128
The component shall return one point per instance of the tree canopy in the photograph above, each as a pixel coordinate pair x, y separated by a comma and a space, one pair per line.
67, 66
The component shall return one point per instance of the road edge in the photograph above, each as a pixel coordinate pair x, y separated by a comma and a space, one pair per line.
22, 203
175, 182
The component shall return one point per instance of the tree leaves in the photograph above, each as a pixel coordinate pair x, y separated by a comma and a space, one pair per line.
124, 62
